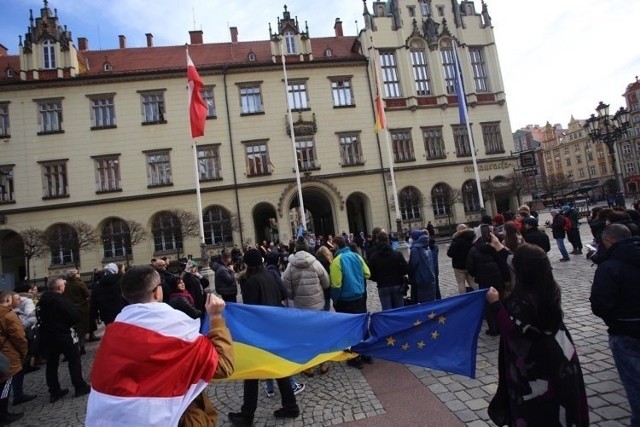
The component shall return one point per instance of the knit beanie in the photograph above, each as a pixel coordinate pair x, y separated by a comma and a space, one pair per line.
302, 244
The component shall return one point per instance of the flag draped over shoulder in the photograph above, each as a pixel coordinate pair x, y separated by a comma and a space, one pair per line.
274, 342
197, 106
459, 86
441, 334
152, 362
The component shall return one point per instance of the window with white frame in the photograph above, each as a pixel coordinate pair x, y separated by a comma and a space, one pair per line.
297, 95
103, 113
425, 7
470, 198
449, 69
566, 150
153, 107
158, 168
492, 138
626, 148
50, 116
630, 168
568, 161
54, 179
350, 149
420, 72
461, 140
402, 145
217, 226
5, 129
390, 76
576, 147
115, 239
306, 154
581, 172
600, 154
167, 232
209, 162
440, 200
207, 95
290, 42
589, 155
48, 54
578, 159
251, 99
410, 202
257, 157
434, 143
7, 193
107, 173
342, 93
603, 168
479, 69
62, 240
592, 170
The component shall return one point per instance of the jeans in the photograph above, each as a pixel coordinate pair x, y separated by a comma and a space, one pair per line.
626, 353
72, 353
563, 250
269, 384
250, 401
391, 297
464, 280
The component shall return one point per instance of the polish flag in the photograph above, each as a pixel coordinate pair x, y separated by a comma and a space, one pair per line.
151, 364
197, 107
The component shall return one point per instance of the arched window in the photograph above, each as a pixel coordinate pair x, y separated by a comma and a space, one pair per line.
49, 55
441, 200
410, 204
63, 243
290, 42
115, 239
470, 198
217, 226
167, 235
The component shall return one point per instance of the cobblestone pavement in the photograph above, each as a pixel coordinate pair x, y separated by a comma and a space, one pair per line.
344, 395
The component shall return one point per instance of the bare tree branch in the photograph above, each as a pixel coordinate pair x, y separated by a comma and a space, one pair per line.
34, 245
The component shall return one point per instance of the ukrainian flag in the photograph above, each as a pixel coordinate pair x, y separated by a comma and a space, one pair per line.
276, 342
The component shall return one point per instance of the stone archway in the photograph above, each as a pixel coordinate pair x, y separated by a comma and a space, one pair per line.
318, 210
13, 270
358, 213
265, 223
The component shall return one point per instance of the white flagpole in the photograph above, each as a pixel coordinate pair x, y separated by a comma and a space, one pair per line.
462, 97
293, 138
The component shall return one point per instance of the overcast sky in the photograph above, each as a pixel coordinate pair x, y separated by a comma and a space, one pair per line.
558, 57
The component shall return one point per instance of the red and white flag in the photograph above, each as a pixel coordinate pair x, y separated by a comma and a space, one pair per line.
151, 364
197, 106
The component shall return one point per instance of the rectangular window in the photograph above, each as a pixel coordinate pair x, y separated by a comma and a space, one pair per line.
558, 165
479, 69
158, 169
250, 99
592, 170
412, 11
153, 108
449, 69
54, 179
600, 154
589, 155
5, 129
297, 95
7, 194
420, 72
390, 77
306, 154
425, 9
402, 145
568, 161
207, 95
581, 173
350, 150
603, 168
50, 117
258, 161
626, 148
209, 162
630, 168
49, 54
434, 143
576, 147
492, 138
566, 150
547, 155
290, 42
107, 173
103, 113
578, 159
461, 139
342, 94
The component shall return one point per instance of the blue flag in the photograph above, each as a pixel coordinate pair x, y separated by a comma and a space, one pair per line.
441, 334
459, 86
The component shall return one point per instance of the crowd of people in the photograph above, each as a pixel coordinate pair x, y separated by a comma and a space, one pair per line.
539, 382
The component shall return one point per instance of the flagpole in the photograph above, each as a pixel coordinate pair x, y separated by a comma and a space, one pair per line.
462, 98
384, 128
293, 138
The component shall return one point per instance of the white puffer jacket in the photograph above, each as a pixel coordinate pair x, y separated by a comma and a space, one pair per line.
305, 279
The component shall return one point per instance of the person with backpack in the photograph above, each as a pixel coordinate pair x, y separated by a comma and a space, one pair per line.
559, 231
573, 232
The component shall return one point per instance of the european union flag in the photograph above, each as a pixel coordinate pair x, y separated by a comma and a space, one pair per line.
275, 342
441, 334
459, 87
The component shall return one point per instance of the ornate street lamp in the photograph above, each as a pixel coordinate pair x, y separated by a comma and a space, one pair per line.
608, 129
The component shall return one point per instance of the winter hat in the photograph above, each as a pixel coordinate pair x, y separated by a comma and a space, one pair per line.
191, 263
532, 221
524, 208
252, 257
111, 268
554, 212
498, 219
415, 234
302, 244
565, 208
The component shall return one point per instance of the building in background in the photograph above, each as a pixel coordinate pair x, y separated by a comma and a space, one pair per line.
100, 138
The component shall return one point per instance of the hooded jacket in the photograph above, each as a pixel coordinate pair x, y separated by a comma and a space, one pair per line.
461, 244
615, 294
421, 271
106, 298
388, 267
487, 267
57, 315
13, 342
305, 279
348, 276
225, 282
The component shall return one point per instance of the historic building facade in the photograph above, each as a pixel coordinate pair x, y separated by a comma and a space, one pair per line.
100, 137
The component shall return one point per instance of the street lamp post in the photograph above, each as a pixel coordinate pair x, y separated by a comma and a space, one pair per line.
609, 129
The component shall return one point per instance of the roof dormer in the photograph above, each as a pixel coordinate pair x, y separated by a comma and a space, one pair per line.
289, 36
